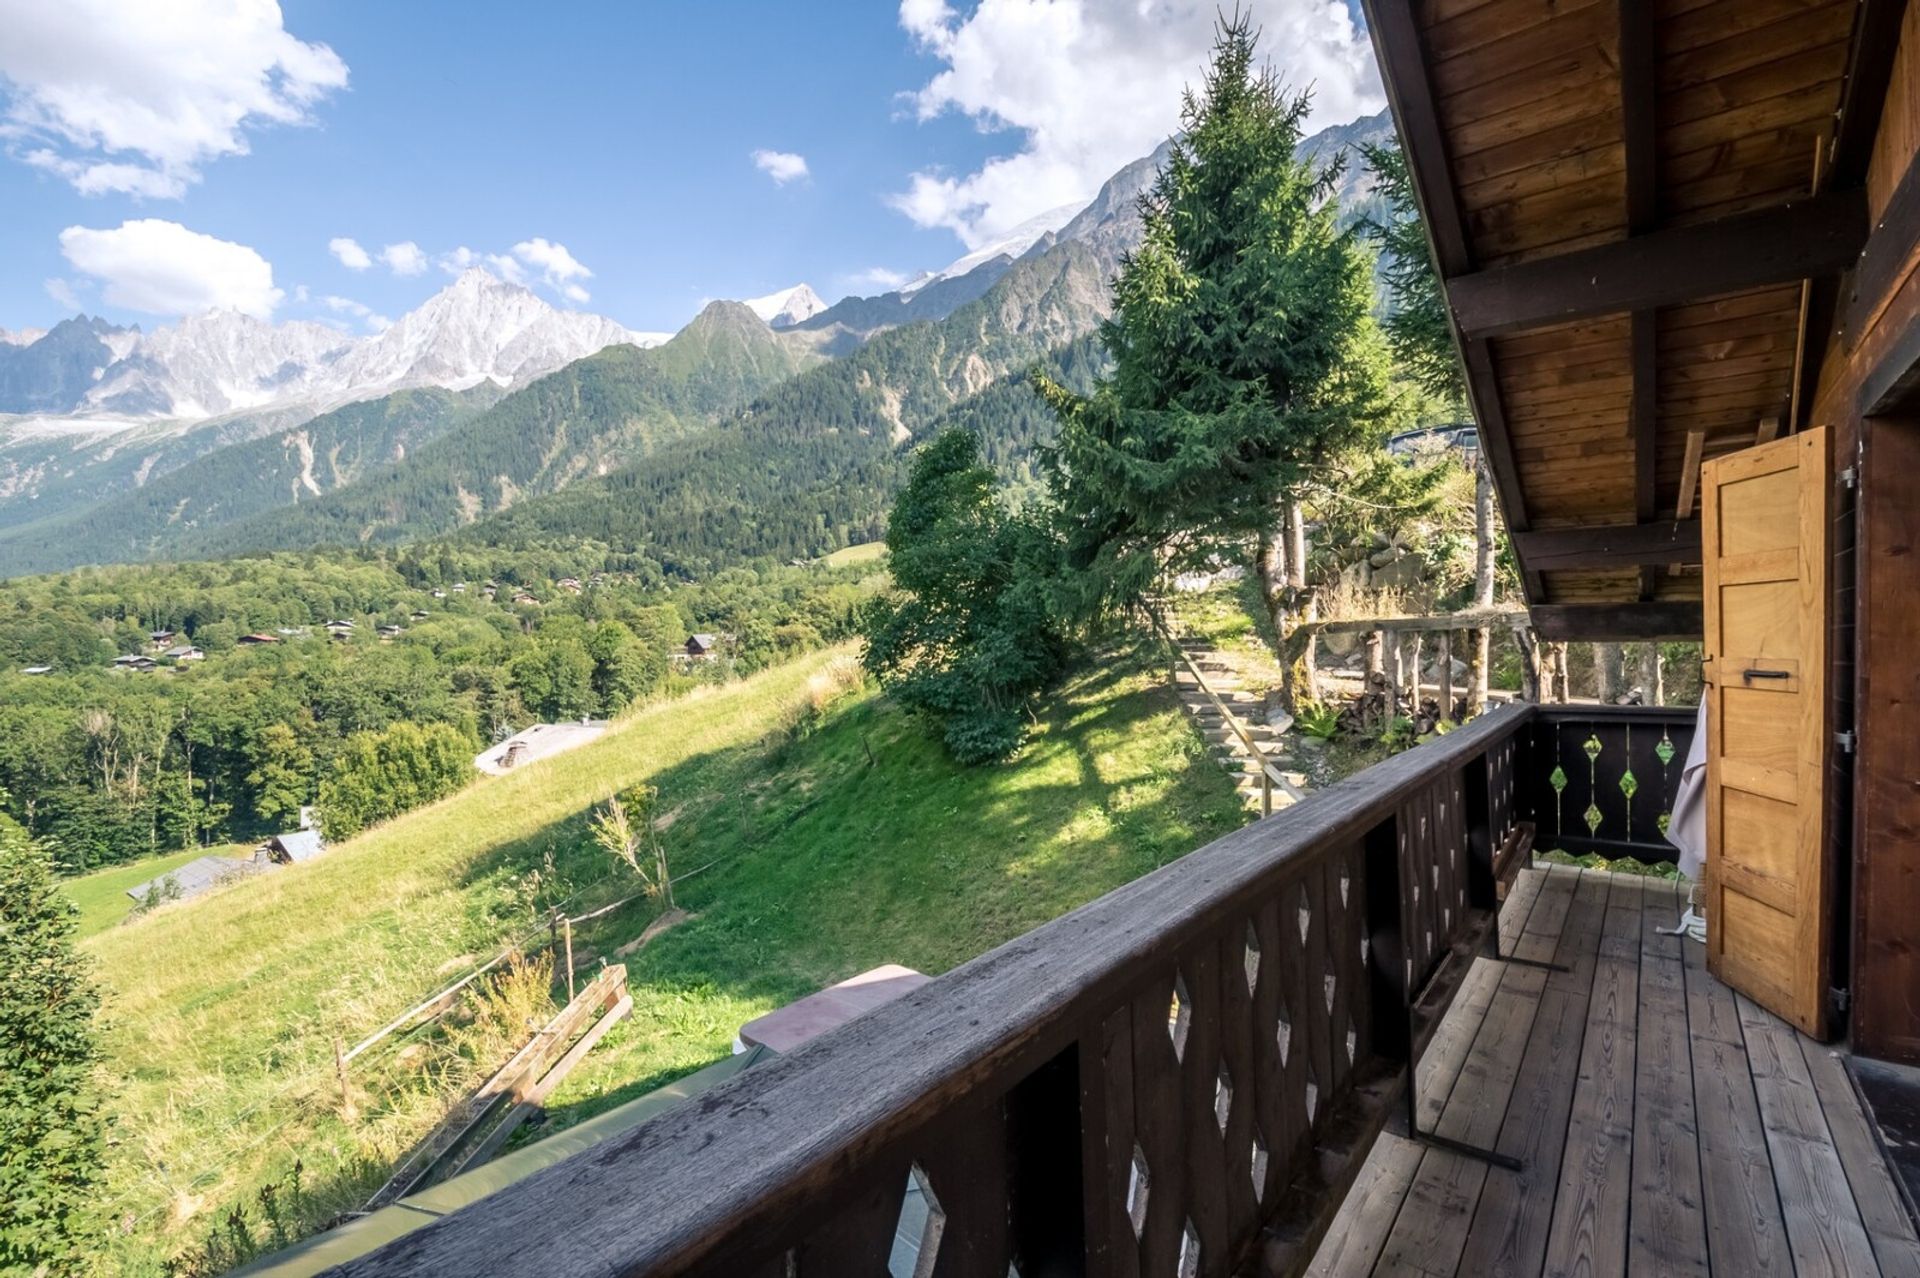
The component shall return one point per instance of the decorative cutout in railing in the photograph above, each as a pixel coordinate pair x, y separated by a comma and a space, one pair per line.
1179, 1078
1606, 776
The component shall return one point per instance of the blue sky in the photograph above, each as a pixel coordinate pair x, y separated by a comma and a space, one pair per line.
211, 160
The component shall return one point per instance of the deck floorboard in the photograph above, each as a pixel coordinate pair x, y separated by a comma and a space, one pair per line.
1666, 1126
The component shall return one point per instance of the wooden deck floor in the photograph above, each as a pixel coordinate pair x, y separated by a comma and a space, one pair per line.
1666, 1125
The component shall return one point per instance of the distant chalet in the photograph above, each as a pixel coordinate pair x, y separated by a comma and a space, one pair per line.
257, 639
203, 874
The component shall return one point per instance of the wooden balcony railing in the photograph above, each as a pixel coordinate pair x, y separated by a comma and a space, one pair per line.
1180, 1078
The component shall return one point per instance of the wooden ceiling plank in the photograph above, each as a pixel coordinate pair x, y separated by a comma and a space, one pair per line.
1820, 235
1616, 546
1614, 622
1863, 93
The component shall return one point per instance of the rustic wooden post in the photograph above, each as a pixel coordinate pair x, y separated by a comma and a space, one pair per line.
1479, 668
1563, 668
1412, 668
1390, 644
1376, 663
1266, 792
569, 930
1443, 653
347, 1110
1529, 646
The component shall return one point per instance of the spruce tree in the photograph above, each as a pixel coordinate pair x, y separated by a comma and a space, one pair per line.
51, 1130
1244, 350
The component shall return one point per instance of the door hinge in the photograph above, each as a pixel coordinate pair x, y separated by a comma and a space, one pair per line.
1850, 477
1844, 741
1842, 997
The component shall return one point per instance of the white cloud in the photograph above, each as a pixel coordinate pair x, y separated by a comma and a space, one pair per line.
62, 292
374, 321
1091, 86
163, 268
348, 250
875, 278
559, 269
404, 258
135, 97
782, 166
300, 293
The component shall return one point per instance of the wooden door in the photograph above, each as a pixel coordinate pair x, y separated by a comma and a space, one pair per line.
1764, 528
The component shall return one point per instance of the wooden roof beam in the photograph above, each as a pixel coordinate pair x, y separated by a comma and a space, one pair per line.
1619, 622
1614, 546
1863, 94
1815, 236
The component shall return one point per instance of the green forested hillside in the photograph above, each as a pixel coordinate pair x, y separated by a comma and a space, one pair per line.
170, 513
588, 418
814, 463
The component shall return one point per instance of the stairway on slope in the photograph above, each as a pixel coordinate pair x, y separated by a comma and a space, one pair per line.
1248, 712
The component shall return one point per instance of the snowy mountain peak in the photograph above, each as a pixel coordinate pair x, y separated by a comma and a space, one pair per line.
787, 307
1010, 246
478, 328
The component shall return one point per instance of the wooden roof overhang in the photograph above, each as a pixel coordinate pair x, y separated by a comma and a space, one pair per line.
1640, 211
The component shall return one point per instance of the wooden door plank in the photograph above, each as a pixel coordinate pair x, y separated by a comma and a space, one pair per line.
1669, 1224
1824, 1228
1745, 1232
1589, 1229
1508, 1236
1885, 1216
1360, 1229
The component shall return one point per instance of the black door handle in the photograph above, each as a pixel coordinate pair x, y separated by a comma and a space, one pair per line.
1750, 675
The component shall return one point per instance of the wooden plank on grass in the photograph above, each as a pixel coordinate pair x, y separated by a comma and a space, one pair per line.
1669, 1225
1824, 1229
1745, 1232
1589, 1229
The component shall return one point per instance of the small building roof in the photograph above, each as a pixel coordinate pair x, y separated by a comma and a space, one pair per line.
296, 846
257, 638
197, 876
703, 642
36, 670
184, 650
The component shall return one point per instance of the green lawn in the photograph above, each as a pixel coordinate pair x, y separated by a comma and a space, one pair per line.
865, 553
102, 895
814, 863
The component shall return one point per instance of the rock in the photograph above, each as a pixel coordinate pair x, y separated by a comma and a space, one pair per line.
1402, 574
1279, 720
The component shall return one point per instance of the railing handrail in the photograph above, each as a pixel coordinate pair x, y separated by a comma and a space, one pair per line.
752, 1157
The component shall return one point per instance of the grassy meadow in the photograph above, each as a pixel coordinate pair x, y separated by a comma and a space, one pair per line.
102, 895
814, 843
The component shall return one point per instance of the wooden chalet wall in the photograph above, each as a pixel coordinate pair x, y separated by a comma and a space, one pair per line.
1869, 393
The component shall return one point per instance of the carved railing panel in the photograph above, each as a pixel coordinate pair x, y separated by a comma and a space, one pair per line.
1604, 778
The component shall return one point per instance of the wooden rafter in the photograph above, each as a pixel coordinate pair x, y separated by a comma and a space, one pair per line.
1619, 622
1616, 546
1818, 235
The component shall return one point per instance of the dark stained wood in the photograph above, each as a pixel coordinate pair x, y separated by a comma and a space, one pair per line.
1886, 257
1664, 619
1814, 236
1891, 1229
1644, 419
1615, 546
1886, 862
1106, 1098
1870, 56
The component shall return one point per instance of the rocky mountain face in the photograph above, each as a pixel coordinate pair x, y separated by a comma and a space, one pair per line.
479, 328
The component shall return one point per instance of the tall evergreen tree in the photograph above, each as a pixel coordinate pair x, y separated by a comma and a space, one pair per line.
51, 1129
972, 639
1243, 345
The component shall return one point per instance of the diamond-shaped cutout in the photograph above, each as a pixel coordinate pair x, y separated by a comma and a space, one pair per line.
1557, 778
1283, 1037
1592, 747
923, 1220
1664, 751
1366, 948
1137, 1184
1252, 959
1593, 818
1258, 1167
1628, 784
1222, 1099
1179, 1016
1313, 1096
1189, 1265
1329, 983
1353, 1040
1346, 885
1304, 911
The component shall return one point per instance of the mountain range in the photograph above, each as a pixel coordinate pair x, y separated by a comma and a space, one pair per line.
773, 426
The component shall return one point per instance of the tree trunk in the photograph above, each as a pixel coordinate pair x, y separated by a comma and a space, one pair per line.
1305, 605
1411, 671
1609, 672
1652, 675
1443, 654
1529, 646
1376, 660
1560, 683
1483, 568
1390, 643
